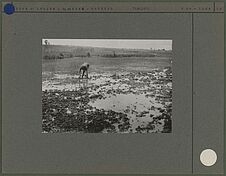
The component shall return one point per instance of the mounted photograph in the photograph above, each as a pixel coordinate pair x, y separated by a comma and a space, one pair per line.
107, 86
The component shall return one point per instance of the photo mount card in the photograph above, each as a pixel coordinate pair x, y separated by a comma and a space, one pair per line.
112, 87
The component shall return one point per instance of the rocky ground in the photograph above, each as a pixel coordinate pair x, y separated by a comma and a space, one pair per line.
120, 102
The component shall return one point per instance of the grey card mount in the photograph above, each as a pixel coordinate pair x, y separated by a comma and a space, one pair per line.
112, 87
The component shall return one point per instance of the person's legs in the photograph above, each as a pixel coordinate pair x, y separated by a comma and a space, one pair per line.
87, 73
83, 72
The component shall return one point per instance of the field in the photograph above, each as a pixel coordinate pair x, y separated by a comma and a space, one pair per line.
121, 95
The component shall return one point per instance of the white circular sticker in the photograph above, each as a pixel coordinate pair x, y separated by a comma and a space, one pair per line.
208, 157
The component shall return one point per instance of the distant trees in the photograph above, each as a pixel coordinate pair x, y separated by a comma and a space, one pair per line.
45, 49
114, 55
129, 54
70, 55
49, 57
61, 56
47, 42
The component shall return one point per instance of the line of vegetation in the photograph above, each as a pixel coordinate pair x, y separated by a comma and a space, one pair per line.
63, 56
50, 52
66, 55
128, 55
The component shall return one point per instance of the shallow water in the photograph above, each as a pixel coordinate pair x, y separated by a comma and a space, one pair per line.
132, 105
140, 96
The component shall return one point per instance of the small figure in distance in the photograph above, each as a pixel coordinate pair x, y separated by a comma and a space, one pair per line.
83, 69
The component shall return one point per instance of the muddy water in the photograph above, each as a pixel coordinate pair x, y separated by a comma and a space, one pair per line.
133, 106
144, 98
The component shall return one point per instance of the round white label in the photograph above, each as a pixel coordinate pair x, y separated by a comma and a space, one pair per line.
208, 157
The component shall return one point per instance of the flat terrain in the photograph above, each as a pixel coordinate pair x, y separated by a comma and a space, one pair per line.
122, 95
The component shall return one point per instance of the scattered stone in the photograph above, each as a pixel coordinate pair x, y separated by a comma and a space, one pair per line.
69, 110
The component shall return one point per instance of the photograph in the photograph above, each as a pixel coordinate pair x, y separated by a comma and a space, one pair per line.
107, 85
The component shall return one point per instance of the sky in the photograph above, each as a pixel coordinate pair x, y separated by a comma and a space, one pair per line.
114, 43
